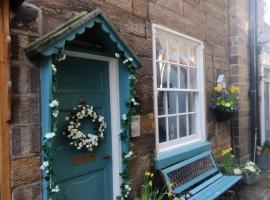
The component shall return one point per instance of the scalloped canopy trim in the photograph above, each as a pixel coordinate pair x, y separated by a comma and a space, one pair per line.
51, 42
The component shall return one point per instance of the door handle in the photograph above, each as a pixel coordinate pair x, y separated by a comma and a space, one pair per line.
106, 156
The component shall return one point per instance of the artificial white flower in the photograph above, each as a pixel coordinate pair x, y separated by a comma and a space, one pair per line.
128, 60
55, 113
54, 70
55, 189
66, 118
129, 154
49, 135
124, 117
117, 55
44, 165
54, 103
132, 77
101, 118
133, 101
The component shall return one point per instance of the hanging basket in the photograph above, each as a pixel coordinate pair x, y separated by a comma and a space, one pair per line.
222, 114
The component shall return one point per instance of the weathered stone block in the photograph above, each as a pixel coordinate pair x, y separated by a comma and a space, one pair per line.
25, 141
27, 192
25, 171
124, 4
140, 8
148, 123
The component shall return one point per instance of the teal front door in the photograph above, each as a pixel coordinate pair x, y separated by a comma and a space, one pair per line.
83, 175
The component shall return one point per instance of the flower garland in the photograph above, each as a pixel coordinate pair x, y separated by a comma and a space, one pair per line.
79, 139
46, 165
126, 122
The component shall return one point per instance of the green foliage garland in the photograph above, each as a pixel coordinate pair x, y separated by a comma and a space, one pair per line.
48, 139
126, 122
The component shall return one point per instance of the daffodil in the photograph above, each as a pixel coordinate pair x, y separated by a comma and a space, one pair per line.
147, 173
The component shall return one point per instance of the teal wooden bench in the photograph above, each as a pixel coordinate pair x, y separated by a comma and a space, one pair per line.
197, 177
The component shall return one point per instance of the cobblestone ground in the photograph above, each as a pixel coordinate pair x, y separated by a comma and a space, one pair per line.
259, 191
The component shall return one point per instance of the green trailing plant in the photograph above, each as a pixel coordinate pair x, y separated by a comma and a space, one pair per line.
48, 139
125, 124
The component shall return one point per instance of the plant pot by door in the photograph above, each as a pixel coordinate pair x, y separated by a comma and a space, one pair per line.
251, 179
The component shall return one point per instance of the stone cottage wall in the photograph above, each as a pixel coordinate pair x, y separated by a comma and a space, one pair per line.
239, 71
207, 21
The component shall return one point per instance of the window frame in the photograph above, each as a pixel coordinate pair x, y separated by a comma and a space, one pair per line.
168, 145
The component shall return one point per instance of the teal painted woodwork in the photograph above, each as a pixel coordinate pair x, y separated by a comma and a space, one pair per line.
197, 174
171, 157
86, 79
45, 93
48, 44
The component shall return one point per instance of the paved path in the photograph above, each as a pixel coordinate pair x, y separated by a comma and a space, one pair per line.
259, 191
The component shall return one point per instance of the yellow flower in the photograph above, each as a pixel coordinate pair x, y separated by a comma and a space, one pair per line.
218, 88
152, 174
234, 89
169, 194
226, 151
150, 183
147, 173
175, 198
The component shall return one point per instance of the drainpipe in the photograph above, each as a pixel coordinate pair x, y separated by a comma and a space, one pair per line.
253, 76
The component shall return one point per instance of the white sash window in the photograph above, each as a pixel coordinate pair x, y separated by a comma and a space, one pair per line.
179, 89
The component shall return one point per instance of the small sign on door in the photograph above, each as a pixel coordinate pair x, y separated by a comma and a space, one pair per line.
135, 126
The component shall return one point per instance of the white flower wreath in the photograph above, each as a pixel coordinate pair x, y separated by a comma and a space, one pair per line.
82, 140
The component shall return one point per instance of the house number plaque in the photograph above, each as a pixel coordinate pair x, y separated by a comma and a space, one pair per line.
81, 159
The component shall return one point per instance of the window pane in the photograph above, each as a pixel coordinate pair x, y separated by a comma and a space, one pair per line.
161, 102
266, 110
173, 77
173, 50
192, 124
183, 126
266, 73
161, 47
172, 102
193, 78
182, 102
183, 77
192, 56
162, 129
183, 54
191, 102
162, 75
172, 128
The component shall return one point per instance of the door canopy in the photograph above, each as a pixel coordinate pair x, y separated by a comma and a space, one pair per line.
77, 27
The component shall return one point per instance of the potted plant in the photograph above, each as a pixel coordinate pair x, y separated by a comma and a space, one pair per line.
251, 173
225, 102
228, 162
263, 158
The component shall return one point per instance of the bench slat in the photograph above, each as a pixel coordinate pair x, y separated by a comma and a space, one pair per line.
217, 188
206, 183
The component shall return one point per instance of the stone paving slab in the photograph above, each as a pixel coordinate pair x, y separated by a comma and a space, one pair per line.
259, 191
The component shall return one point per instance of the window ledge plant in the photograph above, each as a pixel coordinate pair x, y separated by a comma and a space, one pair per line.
225, 102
